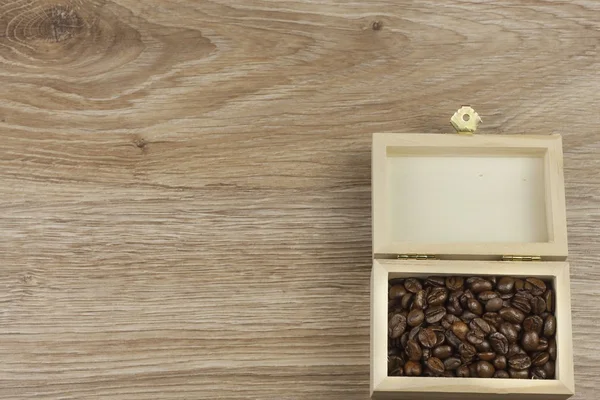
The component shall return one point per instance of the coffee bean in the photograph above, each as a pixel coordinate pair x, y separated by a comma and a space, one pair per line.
549, 368
414, 332
494, 304
519, 284
427, 337
487, 356
483, 347
543, 346
500, 362
463, 372
509, 330
552, 349
441, 339
420, 300
475, 307
538, 373
426, 354
507, 296
538, 287
413, 285
435, 281
413, 350
403, 340
460, 329
468, 316
474, 338
436, 365
437, 296
550, 326
454, 282
522, 301
396, 326
485, 369
512, 315
530, 341
501, 375
465, 297
454, 307
433, 315
406, 301
473, 369
538, 305
412, 368
452, 363
442, 352
448, 320
452, 339
533, 323
487, 296
514, 349
539, 359
415, 317
505, 284
481, 325
518, 374
479, 285
499, 343
549, 299
494, 319
519, 361
467, 351
397, 291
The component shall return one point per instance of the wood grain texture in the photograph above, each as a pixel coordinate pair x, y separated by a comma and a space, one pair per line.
185, 185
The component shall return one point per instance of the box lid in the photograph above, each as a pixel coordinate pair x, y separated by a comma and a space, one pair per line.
468, 196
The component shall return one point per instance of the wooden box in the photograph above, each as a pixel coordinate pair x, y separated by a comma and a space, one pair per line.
452, 204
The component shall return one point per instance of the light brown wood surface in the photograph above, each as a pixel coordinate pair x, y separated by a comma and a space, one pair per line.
185, 185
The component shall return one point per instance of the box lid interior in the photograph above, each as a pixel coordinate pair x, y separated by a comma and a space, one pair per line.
468, 196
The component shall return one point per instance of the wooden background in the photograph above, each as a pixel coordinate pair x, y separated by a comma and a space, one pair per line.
185, 185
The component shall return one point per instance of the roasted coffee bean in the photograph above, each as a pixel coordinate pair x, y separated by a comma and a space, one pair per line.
412, 368
414, 332
538, 305
549, 368
454, 282
449, 374
426, 354
530, 341
406, 301
466, 296
533, 323
442, 352
468, 316
441, 339
522, 301
543, 346
435, 281
403, 340
483, 347
539, 359
438, 296
500, 362
518, 373
501, 375
427, 337
413, 350
485, 369
549, 299
452, 339
435, 365
507, 296
413, 285
499, 343
454, 307
475, 307
494, 305
509, 330
396, 326
473, 369
505, 284
519, 361
494, 319
415, 317
487, 296
448, 320
511, 315
488, 356
519, 284
463, 372
420, 300
433, 315
550, 326
538, 287
538, 373
474, 338
514, 349
481, 325
552, 349
397, 291
467, 351
452, 363
479, 285
399, 371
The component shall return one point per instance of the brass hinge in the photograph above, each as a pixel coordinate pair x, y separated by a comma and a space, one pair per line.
521, 258
415, 257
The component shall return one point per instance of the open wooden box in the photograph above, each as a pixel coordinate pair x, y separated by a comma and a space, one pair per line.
478, 205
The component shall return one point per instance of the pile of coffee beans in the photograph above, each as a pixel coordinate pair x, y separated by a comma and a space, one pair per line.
485, 327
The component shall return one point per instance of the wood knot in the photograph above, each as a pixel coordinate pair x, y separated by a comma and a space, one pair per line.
377, 25
141, 144
60, 23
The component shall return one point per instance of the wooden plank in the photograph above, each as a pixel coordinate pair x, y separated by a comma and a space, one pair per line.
185, 185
